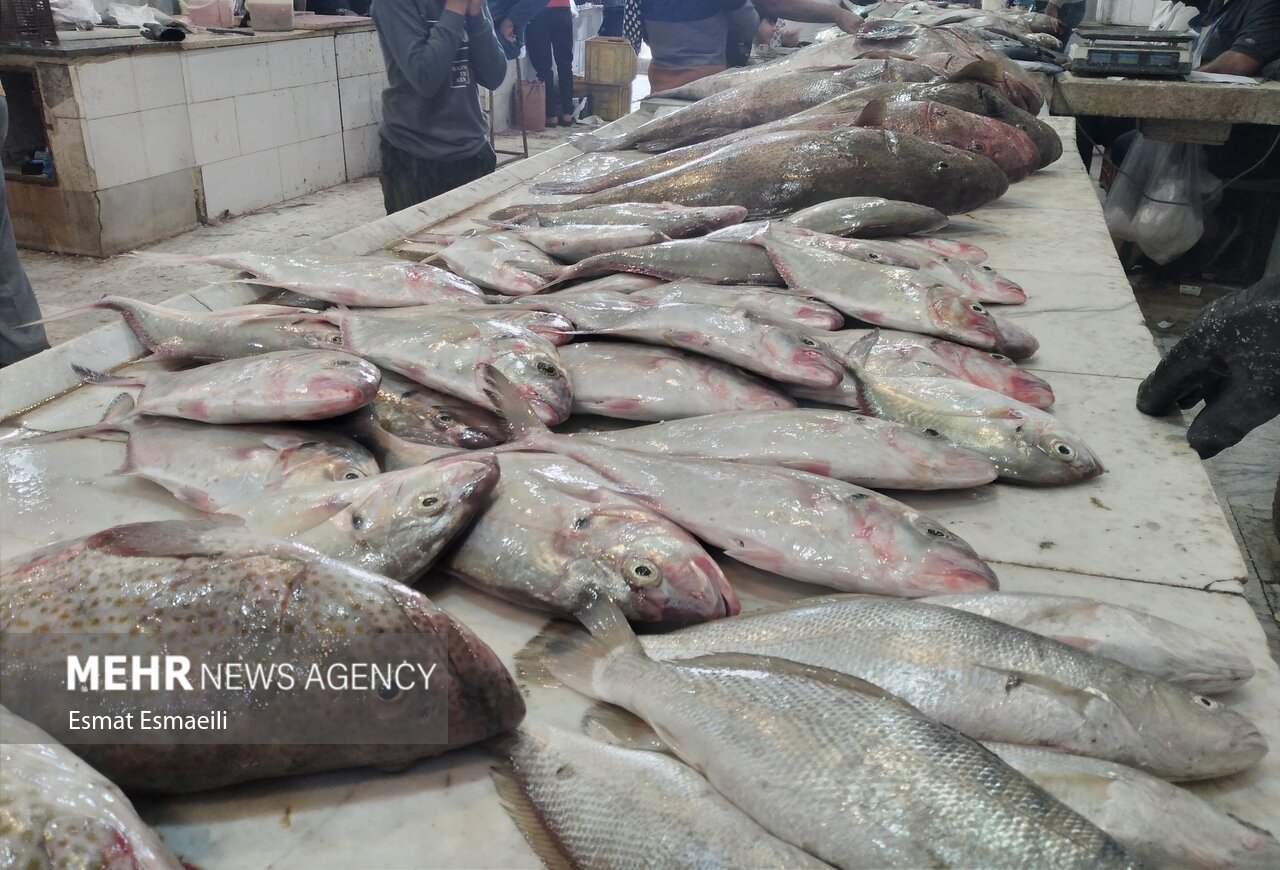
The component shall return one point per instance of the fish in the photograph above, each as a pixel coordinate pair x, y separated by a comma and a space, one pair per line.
1027, 445
553, 527
417, 413
780, 308
952, 248
620, 283
991, 681
850, 447
1166, 825
868, 217
898, 354
554, 328
855, 776
641, 382
571, 244
671, 219
562, 791
685, 259
864, 69
1008, 147
1013, 341
211, 466
59, 812
1144, 642
501, 262
227, 592
367, 282
863, 161
284, 385
799, 525
445, 352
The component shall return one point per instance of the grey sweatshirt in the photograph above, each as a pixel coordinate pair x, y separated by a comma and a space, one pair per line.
435, 60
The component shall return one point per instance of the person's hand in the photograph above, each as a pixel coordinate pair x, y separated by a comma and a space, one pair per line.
1230, 358
1052, 12
507, 30
849, 22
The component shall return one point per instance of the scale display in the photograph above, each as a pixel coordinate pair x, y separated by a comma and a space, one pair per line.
1109, 50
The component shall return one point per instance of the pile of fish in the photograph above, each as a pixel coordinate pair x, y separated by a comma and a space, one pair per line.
726, 349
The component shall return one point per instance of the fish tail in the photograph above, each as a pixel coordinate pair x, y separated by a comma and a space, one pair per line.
978, 71
73, 312
531, 659
573, 661
161, 258
616, 726
120, 409
433, 238
519, 420
497, 224
516, 214
558, 188
89, 376
590, 142
856, 358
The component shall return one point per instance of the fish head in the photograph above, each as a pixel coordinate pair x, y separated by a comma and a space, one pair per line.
961, 318
325, 461
942, 562
1008, 147
988, 284
654, 570
1049, 453
804, 354
1014, 341
995, 371
419, 414
538, 375
343, 381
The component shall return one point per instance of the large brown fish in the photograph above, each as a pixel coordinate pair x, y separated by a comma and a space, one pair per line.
829, 56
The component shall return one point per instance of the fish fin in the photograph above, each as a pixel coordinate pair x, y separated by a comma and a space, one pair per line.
590, 142
530, 659
524, 813
432, 238
618, 727
70, 312
561, 188
856, 358
979, 70
518, 214
164, 537
872, 114
795, 669
1077, 699
520, 422
118, 412
120, 408
89, 376
604, 619
573, 661
499, 225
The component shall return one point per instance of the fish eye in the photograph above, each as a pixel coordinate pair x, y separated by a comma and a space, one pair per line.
642, 572
808, 342
931, 432
432, 503
389, 692
1207, 703
351, 475
359, 522
978, 308
935, 532
547, 369
444, 417
875, 258
976, 147
1064, 450
344, 362
336, 338
941, 165
999, 357
986, 268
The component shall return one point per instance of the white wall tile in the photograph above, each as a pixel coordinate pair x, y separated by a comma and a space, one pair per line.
241, 184
106, 88
359, 54
166, 137
266, 121
317, 110
215, 73
119, 155
312, 165
357, 103
214, 133
361, 148
159, 80
295, 62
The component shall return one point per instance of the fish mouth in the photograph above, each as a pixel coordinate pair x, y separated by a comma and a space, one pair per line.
550, 411
952, 572
471, 476
700, 593
1002, 291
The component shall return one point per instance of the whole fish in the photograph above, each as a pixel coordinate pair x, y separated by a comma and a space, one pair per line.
59, 812
554, 328
369, 282
228, 592
417, 413
1142, 641
562, 791
854, 775
956, 250
392, 452
641, 382
284, 385
820, 166
692, 259
446, 352
1166, 825
868, 217
906, 354
552, 528
620, 283
571, 244
672, 220
792, 523
781, 308
850, 447
394, 524
991, 681
1026, 444
501, 262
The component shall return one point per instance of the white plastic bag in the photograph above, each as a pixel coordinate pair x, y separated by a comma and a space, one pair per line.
1160, 197
75, 11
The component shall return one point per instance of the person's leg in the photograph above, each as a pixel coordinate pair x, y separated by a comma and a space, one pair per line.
537, 40
17, 300
741, 26
562, 48
456, 173
406, 179
1070, 16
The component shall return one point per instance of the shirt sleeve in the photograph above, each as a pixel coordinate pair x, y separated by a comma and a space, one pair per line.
423, 53
524, 11
488, 60
1259, 35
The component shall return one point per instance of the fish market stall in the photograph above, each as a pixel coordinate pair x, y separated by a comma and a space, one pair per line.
1147, 534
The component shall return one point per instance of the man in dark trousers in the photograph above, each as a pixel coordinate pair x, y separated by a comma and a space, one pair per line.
435, 137
17, 300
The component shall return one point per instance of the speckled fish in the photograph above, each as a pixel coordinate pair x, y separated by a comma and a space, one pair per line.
906, 354
501, 262
1148, 643
855, 776
641, 382
992, 681
231, 591
574, 243
1026, 444
61, 813
561, 790
850, 447
395, 524
692, 259
446, 353
553, 528
1166, 825
956, 250
285, 385
868, 217
780, 308
672, 220
417, 413
368, 282
864, 161
792, 523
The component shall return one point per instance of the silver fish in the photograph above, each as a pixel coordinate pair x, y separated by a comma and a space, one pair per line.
992, 681
553, 327
957, 250
1148, 643
562, 791
640, 382
868, 217
285, 385
694, 259
574, 243
671, 219
781, 308
417, 413
501, 262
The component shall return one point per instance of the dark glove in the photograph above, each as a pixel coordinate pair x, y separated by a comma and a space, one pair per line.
1230, 358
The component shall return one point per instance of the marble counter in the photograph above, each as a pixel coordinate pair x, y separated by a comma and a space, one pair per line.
1148, 534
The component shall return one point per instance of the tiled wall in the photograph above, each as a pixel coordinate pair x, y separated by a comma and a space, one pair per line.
361, 78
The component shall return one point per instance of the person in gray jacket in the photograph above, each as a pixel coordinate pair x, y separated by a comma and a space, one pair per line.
434, 135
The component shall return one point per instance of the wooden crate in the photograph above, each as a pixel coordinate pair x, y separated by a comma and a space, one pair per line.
610, 61
610, 102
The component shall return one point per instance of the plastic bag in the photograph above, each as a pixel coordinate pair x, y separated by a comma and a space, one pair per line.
1160, 197
75, 11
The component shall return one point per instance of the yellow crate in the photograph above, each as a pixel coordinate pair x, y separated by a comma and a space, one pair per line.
610, 61
610, 102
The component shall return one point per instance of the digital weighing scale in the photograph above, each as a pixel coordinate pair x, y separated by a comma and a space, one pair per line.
1109, 50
